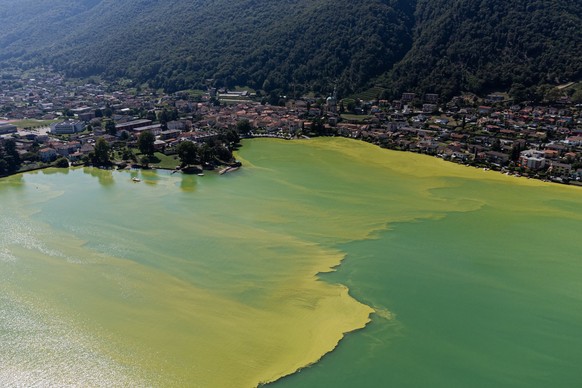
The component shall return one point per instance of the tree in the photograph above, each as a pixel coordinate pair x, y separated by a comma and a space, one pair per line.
124, 135
206, 153
3, 167
164, 116
173, 115
188, 152
515, 152
244, 126
145, 161
11, 151
145, 143
232, 136
62, 163
577, 96
108, 112
151, 115
101, 153
9, 157
222, 153
110, 127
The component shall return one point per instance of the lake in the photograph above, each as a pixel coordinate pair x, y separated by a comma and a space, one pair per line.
449, 276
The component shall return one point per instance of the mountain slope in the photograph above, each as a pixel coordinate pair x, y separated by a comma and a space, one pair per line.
281, 46
483, 45
311, 44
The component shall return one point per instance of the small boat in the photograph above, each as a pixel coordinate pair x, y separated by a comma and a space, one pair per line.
200, 174
231, 168
135, 179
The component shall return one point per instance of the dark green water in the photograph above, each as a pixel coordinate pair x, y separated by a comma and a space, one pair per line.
486, 298
469, 278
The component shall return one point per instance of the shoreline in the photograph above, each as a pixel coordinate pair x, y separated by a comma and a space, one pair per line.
225, 168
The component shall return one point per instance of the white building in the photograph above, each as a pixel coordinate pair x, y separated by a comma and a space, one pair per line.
532, 159
67, 127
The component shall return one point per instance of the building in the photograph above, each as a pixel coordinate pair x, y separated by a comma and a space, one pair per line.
67, 127
7, 128
156, 129
532, 159
431, 98
495, 97
176, 125
47, 154
560, 169
429, 108
331, 102
170, 134
131, 125
408, 96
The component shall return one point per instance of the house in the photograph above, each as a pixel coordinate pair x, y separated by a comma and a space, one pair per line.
75, 157
176, 125
159, 145
47, 154
429, 108
559, 169
87, 148
497, 157
574, 141
551, 154
408, 96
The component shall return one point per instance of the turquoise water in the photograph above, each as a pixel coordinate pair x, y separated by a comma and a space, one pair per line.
462, 277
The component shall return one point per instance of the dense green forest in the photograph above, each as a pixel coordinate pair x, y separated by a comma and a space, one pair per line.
487, 45
296, 46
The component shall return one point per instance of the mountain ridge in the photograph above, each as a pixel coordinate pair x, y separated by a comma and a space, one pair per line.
286, 46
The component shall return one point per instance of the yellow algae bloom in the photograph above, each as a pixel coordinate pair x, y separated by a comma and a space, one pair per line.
213, 281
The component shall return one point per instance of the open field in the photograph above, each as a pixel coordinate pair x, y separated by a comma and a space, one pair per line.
33, 123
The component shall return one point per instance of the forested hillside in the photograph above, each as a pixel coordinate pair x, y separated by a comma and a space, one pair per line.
286, 46
484, 45
277, 44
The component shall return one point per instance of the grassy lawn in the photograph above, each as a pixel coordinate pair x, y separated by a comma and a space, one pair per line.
159, 160
32, 123
361, 118
167, 162
193, 92
368, 95
242, 88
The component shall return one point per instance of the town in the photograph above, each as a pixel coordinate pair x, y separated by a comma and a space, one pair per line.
48, 120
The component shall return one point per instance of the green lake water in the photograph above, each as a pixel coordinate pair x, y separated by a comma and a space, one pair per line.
461, 277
